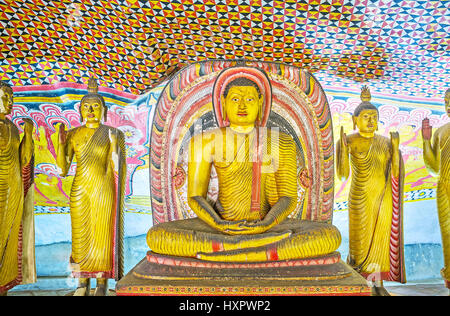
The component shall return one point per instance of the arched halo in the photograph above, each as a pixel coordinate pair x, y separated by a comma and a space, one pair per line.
256, 75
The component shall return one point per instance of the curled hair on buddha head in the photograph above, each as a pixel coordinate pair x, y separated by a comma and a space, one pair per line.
5, 85
241, 82
93, 95
447, 97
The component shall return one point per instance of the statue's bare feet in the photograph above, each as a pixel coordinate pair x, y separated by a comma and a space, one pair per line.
102, 287
81, 291
84, 288
380, 291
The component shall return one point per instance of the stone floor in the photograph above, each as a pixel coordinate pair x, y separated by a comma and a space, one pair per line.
418, 289
426, 288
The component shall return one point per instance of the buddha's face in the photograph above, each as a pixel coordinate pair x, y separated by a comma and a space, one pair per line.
92, 110
6, 100
367, 121
242, 105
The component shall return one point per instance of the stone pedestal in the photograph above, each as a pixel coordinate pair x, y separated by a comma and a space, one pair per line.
167, 275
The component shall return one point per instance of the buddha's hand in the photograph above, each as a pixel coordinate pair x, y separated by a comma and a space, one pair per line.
343, 139
230, 227
28, 126
257, 226
62, 133
426, 129
395, 140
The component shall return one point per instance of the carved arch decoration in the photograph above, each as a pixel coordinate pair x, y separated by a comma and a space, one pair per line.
299, 108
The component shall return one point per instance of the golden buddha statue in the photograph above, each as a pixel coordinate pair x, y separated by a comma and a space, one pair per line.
97, 195
16, 198
436, 154
257, 179
375, 199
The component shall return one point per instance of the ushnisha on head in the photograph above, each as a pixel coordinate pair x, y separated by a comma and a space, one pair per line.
6, 98
365, 116
93, 108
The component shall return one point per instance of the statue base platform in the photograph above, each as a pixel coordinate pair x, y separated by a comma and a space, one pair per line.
167, 275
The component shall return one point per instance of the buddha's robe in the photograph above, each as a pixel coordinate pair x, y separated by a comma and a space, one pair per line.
288, 239
16, 213
375, 213
442, 143
96, 205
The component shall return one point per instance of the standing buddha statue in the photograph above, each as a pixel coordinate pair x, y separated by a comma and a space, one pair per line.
256, 169
375, 198
97, 195
436, 154
17, 264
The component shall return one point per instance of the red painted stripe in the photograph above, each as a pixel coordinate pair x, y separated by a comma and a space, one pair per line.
62, 85
272, 254
216, 246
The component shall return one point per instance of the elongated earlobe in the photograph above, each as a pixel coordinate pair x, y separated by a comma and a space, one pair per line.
225, 118
81, 114
259, 118
224, 112
261, 109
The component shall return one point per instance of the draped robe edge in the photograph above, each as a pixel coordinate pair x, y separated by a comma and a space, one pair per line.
26, 270
396, 270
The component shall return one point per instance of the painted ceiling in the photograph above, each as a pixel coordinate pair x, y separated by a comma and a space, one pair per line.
401, 45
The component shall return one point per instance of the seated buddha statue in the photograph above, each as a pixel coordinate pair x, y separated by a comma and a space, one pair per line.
256, 168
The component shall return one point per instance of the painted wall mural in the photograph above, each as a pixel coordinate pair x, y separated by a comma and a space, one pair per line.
49, 105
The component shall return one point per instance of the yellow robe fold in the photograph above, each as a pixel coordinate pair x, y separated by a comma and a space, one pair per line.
236, 178
375, 238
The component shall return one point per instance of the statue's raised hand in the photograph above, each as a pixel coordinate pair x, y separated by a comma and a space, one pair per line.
28, 126
62, 135
343, 138
426, 129
395, 140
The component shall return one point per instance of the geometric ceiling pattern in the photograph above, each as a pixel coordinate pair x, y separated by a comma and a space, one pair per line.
132, 45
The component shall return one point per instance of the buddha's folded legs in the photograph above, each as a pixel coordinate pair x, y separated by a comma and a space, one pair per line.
308, 239
189, 237
289, 240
